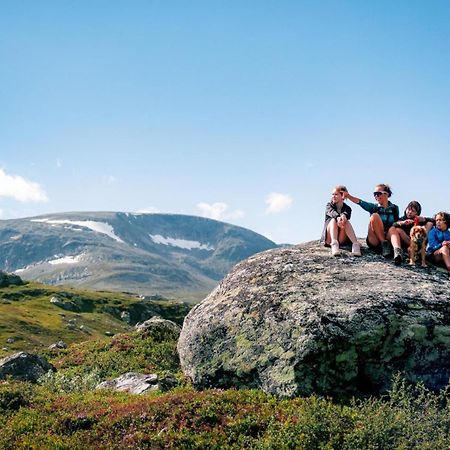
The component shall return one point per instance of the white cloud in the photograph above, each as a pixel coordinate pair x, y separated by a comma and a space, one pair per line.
218, 211
21, 189
149, 210
1, 212
277, 202
109, 179
59, 163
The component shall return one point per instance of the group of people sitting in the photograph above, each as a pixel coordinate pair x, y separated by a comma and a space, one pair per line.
388, 233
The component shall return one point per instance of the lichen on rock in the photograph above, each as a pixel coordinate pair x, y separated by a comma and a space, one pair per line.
294, 321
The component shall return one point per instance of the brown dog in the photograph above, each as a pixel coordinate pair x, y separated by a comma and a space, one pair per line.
418, 245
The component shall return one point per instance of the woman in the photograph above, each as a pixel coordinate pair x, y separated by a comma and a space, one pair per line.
438, 248
383, 214
337, 229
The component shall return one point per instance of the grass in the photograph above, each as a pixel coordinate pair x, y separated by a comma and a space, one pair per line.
32, 323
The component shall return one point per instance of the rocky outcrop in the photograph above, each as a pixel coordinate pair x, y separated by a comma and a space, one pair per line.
24, 366
158, 324
138, 383
9, 279
295, 321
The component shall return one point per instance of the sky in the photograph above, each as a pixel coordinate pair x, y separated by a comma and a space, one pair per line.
248, 112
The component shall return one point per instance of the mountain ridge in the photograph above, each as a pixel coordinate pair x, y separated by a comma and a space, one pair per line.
145, 253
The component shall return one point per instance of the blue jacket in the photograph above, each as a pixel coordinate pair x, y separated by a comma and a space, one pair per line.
388, 215
436, 238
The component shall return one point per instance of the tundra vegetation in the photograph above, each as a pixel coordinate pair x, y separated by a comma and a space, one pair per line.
65, 411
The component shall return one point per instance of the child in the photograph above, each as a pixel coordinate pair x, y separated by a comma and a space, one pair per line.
438, 248
337, 229
382, 215
406, 222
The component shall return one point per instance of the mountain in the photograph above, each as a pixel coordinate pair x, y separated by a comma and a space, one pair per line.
150, 254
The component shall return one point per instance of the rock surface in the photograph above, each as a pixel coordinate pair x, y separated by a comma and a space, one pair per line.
138, 383
158, 323
24, 366
295, 321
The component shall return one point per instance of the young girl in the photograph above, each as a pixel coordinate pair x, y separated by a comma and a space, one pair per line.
406, 222
337, 229
382, 215
438, 247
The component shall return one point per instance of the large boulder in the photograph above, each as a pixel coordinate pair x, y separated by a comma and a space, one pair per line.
24, 366
295, 321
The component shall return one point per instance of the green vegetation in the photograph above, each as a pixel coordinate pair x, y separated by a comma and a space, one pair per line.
29, 321
64, 411
36, 417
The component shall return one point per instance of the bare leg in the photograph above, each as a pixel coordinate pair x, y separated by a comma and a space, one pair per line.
405, 239
332, 231
350, 232
442, 255
394, 237
375, 233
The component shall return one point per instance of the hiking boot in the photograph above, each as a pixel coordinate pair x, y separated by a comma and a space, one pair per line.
398, 256
335, 248
356, 249
386, 249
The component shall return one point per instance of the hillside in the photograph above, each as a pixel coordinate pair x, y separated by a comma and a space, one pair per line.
30, 321
172, 255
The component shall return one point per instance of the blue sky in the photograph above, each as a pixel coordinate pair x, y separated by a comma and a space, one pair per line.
245, 111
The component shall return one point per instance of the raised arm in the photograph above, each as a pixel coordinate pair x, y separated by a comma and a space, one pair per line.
352, 198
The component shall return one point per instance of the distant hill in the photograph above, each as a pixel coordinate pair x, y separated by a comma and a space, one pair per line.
150, 254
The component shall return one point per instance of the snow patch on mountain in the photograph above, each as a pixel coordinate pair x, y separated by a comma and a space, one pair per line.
99, 227
67, 260
181, 243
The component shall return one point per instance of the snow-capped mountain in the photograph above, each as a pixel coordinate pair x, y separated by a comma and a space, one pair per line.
150, 254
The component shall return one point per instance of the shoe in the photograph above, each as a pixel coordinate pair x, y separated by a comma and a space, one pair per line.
335, 249
356, 249
398, 256
386, 249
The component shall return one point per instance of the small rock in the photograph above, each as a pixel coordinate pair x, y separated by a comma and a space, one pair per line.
10, 340
137, 383
58, 345
158, 323
24, 366
125, 316
109, 333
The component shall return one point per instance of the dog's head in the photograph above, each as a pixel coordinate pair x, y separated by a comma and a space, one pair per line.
418, 233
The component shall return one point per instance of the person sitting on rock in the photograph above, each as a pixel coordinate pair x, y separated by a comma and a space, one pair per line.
438, 247
337, 229
383, 214
406, 222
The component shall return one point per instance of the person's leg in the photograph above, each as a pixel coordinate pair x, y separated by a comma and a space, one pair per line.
442, 256
350, 235
333, 233
404, 238
394, 237
445, 253
375, 234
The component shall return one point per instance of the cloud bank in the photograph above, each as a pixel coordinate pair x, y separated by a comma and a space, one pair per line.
21, 189
277, 202
218, 211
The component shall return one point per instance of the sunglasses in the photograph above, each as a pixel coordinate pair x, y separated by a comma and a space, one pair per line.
379, 194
